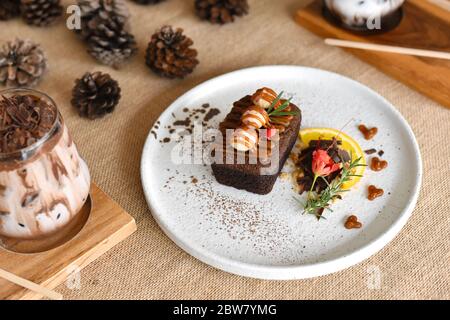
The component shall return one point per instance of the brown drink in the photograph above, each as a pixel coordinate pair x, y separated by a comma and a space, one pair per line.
43, 180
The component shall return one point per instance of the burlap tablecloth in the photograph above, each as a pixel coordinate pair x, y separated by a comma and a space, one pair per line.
150, 266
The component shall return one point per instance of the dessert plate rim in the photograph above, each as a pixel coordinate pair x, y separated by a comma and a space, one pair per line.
296, 271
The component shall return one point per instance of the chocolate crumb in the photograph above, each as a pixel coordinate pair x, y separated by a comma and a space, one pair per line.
205, 105
166, 140
211, 114
370, 151
153, 132
194, 180
381, 153
185, 110
186, 122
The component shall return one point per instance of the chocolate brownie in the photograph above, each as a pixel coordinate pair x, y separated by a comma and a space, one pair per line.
247, 176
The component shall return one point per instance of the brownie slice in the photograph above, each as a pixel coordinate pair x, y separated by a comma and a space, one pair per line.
247, 175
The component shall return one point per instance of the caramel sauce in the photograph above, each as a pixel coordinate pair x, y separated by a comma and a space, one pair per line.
352, 223
267, 95
368, 133
377, 165
374, 193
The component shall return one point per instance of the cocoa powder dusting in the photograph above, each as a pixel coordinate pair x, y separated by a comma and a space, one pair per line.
241, 220
190, 116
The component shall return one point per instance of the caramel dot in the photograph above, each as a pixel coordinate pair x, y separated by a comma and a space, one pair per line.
374, 192
368, 133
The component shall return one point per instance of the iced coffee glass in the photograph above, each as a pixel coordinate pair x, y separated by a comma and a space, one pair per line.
43, 180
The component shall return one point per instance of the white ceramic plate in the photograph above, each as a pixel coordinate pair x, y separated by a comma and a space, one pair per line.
266, 236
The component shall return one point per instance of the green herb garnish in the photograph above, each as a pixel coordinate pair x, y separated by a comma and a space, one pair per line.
316, 204
278, 112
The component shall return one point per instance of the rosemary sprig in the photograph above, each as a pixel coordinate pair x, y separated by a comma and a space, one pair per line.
278, 112
316, 204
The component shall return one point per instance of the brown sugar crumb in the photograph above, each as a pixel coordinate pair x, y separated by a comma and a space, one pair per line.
377, 165
194, 180
368, 133
374, 192
352, 223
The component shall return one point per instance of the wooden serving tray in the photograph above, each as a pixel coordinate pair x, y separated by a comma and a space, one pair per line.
424, 26
99, 226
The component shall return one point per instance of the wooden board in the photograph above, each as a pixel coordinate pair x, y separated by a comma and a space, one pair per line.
106, 225
424, 26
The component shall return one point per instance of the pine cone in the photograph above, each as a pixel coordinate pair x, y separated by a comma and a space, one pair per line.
95, 95
169, 53
9, 9
104, 27
41, 12
221, 11
95, 12
110, 44
22, 63
148, 1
